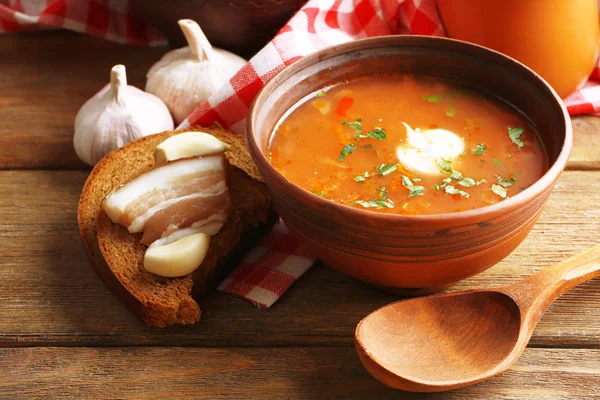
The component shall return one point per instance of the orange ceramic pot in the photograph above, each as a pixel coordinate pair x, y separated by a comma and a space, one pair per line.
556, 38
416, 254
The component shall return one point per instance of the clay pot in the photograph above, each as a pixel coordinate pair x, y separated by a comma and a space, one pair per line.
240, 26
417, 254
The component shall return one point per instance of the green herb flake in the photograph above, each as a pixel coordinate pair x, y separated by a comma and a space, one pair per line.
452, 190
383, 192
375, 203
482, 161
509, 155
359, 178
506, 182
347, 149
417, 180
514, 134
356, 125
483, 180
270, 156
451, 113
464, 153
433, 98
416, 191
480, 149
497, 162
444, 164
457, 176
406, 181
386, 169
467, 182
377, 133
367, 147
322, 194
405, 206
499, 190
321, 93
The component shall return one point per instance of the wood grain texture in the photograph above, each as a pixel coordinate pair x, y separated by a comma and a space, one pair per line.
279, 373
586, 143
50, 294
45, 78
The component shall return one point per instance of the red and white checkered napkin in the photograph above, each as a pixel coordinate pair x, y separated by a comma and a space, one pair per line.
269, 269
107, 19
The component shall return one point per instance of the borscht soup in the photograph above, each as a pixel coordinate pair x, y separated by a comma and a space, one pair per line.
407, 144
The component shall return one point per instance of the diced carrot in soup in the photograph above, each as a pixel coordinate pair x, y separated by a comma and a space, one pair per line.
408, 145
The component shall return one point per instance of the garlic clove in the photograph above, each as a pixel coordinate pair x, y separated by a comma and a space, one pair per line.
115, 116
178, 258
188, 144
185, 77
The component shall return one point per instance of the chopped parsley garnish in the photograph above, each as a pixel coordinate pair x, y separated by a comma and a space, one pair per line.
451, 113
467, 182
480, 149
444, 164
506, 182
405, 206
356, 125
442, 185
514, 134
363, 177
457, 176
383, 192
509, 155
480, 182
322, 194
414, 190
375, 203
452, 190
433, 98
385, 169
377, 133
497, 162
367, 147
416, 180
499, 190
321, 93
381, 203
347, 149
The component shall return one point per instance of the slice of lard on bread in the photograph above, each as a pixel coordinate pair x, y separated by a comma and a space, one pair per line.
118, 255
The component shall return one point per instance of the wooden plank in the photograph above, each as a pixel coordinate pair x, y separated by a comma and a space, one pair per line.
51, 296
586, 143
46, 77
275, 373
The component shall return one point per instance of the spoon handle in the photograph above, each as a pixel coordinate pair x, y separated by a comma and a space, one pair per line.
538, 291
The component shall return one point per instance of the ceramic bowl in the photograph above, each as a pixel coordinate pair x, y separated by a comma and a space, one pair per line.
411, 254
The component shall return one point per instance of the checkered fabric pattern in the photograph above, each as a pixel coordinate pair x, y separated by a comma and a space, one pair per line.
107, 19
278, 260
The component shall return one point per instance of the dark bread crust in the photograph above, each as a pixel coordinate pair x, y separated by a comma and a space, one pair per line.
118, 255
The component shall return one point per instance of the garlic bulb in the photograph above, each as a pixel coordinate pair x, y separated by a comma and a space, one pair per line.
116, 115
185, 77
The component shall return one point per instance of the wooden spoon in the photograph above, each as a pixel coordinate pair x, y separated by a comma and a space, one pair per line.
447, 341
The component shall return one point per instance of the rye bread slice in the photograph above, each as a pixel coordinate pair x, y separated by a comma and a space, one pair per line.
118, 255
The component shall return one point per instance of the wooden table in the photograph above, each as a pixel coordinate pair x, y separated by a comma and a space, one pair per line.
63, 332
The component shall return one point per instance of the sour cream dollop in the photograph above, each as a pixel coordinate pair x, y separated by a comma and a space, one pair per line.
422, 149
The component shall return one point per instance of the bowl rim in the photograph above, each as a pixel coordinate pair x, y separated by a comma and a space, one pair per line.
303, 195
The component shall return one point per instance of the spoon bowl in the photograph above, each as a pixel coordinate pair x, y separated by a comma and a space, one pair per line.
443, 342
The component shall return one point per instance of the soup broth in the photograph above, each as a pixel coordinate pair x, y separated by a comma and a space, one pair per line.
407, 145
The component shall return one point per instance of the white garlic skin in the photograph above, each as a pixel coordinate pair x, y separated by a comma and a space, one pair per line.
115, 116
185, 77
